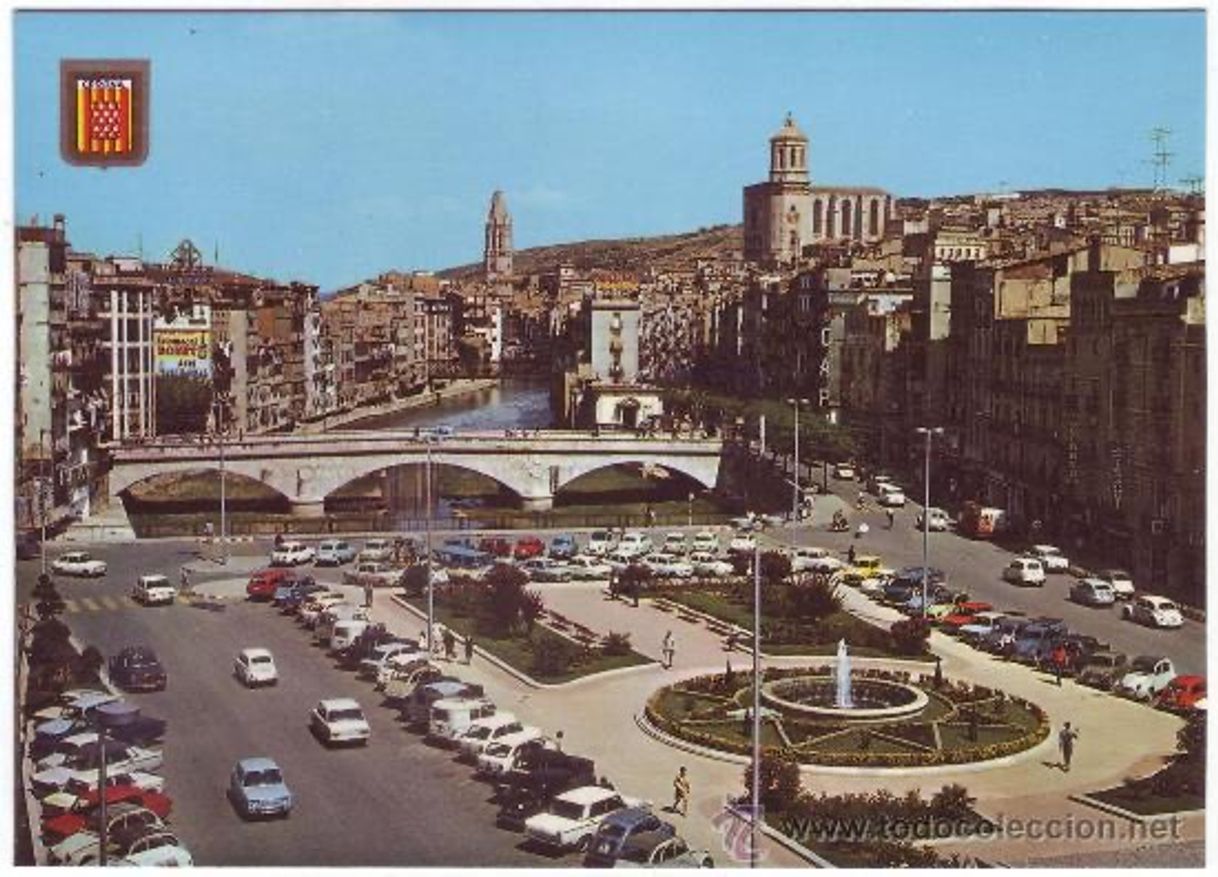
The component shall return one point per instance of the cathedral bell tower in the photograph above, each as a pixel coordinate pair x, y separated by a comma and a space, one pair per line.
497, 251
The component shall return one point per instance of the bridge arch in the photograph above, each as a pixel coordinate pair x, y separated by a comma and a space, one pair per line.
350, 475
704, 472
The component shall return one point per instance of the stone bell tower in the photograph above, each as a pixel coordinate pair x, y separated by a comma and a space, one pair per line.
497, 251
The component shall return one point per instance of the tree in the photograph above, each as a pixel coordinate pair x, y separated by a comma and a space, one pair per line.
414, 580
88, 667
952, 802
49, 604
909, 635
616, 644
531, 607
814, 598
552, 656
779, 785
635, 578
775, 567
504, 598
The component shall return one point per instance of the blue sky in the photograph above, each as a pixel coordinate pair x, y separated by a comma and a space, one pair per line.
328, 147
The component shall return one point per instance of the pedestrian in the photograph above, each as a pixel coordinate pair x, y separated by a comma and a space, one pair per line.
891, 517
367, 595
747, 731
667, 650
185, 580
469, 649
1059, 659
634, 593
651, 516
938, 672
1065, 739
850, 554
680, 792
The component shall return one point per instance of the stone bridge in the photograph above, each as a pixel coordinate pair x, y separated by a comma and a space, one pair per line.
307, 468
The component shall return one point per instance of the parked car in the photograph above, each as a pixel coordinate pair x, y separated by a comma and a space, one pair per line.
415, 705
1120, 581
528, 546
1092, 592
377, 649
496, 546
264, 583
1050, 557
339, 720
675, 543
1001, 640
844, 471
1031, 641
376, 549
1146, 677
123, 821
617, 829
939, 520
78, 563
709, 566
1182, 694
979, 627
1025, 571
1102, 669
572, 818
312, 608
661, 850
500, 756
585, 567
334, 552
668, 566
563, 546
153, 590
540, 772
742, 543
1153, 611
449, 717
81, 812
490, 729
291, 553
705, 541
291, 594
891, 496
256, 788
80, 758
157, 849
377, 573
544, 569
136, 668
634, 545
255, 666
600, 543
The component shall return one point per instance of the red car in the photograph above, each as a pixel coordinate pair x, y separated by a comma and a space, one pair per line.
496, 545
1182, 694
83, 817
528, 546
263, 584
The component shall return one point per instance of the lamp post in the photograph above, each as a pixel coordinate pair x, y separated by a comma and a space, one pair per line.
218, 408
42, 500
756, 789
795, 403
431, 605
928, 432
108, 715
689, 509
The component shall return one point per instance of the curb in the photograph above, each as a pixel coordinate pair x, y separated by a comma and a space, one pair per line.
1140, 818
521, 676
789, 842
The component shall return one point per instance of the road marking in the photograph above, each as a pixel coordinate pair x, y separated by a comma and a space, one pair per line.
88, 604
113, 603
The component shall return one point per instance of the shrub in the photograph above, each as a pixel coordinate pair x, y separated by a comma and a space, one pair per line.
775, 567
552, 656
616, 644
952, 801
814, 598
531, 607
414, 581
779, 785
909, 635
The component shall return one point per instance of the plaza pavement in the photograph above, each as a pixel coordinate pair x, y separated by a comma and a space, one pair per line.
597, 717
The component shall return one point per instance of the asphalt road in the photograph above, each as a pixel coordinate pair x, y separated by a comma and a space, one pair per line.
397, 802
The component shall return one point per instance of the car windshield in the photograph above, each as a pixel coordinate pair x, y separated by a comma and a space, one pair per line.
260, 659
567, 809
1144, 664
600, 536
499, 750
266, 777
612, 831
346, 715
1167, 606
478, 732
1103, 660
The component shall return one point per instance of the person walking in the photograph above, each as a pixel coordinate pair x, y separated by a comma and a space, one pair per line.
367, 595
469, 649
680, 792
1059, 659
185, 580
891, 515
450, 644
1065, 740
850, 554
668, 650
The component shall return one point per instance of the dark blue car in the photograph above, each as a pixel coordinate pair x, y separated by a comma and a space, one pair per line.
619, 827
563, 547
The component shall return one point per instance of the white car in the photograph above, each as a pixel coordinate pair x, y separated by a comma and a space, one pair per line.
674, 543
80, 752
600, 543
742, 543
810, 559
843, 470
712, 567
571, 819
1121, 582
339, 720
706, 541
619, 560
499, 757
891, 496
1092, 592
634, 545
154, 590
334, 552
1025, 571
1147, 676
292, 554
585, 567
78, 563
312, 609
393, 654
668, 566
158, 849
255, 667
939, 520
83, 847
1050, 557
1153, 611
377, 549
491, 729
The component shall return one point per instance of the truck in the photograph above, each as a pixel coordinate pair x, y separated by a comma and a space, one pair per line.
981, 522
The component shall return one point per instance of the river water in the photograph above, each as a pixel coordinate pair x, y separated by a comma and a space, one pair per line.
516, 403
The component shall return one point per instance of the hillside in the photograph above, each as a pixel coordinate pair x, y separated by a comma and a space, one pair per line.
626, 255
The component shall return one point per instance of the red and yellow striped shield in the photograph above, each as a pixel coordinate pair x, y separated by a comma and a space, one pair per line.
103, 117
104, 112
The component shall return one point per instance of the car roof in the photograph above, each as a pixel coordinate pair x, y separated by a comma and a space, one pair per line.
628, 817
256, 652
587, 794
497, 719
339, 703
1094, 582
1157, 598
257, 762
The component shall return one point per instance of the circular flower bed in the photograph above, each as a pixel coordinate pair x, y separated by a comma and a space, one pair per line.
954, 723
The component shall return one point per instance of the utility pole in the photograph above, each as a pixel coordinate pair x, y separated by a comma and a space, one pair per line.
756, 789
42, 499
1161, 157
431, 605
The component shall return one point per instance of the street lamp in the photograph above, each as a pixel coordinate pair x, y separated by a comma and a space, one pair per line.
927, 431
689, 508
109, 715
42, 498
217, 408
431, 604
795, 403
756, 790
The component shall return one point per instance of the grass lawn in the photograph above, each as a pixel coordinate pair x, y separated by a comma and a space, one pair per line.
518, 651
1140, 797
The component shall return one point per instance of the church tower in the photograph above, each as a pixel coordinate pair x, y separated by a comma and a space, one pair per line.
776, 212
789, 155
497, 252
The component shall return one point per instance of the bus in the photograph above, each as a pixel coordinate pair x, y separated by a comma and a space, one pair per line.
980, 522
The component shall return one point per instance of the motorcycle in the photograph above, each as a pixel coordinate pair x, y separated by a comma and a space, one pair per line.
839, 525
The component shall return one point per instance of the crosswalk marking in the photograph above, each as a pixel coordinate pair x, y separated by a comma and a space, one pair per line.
89, 604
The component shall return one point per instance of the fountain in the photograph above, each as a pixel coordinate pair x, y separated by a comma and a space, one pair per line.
841, 698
